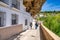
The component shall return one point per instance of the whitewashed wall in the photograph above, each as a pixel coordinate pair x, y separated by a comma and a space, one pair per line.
25, 15
22, 15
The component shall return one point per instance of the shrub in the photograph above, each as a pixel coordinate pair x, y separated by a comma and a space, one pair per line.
53, 23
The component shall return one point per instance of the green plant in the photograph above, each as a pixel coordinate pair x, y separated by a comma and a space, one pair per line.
52, 22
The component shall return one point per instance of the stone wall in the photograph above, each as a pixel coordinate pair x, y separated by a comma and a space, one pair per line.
10, 31
47, 34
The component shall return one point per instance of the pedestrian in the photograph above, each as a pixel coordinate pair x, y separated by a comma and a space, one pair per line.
31, 25
36, 25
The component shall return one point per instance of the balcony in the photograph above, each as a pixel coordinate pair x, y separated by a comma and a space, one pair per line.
4, 3
15, 8
13, 5
16, 4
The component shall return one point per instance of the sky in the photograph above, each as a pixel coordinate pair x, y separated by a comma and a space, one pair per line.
51, 5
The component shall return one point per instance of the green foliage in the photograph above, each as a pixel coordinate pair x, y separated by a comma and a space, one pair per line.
53, 23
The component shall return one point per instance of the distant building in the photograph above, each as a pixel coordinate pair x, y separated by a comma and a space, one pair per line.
42, 15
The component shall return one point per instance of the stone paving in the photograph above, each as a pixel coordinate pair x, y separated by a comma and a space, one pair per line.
31, 34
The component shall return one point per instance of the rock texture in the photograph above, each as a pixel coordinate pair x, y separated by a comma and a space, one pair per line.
33, 6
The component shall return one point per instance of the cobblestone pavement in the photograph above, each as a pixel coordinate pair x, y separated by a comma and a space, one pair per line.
31, 34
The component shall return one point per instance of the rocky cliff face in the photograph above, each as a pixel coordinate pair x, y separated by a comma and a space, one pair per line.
33, 6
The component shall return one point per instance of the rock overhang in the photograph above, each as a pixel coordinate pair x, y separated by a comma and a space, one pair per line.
33, 6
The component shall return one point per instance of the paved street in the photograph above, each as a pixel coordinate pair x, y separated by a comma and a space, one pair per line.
31, 34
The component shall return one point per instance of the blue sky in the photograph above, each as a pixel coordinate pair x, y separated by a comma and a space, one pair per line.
51, 5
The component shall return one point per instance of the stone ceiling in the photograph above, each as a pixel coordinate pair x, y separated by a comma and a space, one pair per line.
33, 6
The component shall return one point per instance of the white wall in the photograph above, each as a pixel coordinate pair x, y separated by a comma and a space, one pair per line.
8, 13
22, 15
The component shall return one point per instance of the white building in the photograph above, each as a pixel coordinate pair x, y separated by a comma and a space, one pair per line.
13, 12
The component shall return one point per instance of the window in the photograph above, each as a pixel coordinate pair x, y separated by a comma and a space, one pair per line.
14, 19
2, 19
16, 4
5, 1
26, 23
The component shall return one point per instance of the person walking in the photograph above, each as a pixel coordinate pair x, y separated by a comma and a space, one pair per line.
31, 25
36, 25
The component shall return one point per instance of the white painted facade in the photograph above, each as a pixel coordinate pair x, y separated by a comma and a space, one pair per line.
22, 14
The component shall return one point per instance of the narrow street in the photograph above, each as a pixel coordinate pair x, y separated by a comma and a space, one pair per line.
31, 34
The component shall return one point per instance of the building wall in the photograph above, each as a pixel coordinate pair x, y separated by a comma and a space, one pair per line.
22, 15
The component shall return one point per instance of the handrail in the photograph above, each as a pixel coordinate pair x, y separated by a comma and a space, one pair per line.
47, 34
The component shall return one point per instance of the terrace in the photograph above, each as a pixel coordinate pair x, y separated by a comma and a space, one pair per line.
16, 32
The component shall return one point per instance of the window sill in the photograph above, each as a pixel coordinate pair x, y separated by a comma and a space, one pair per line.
3, 4
15, 9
